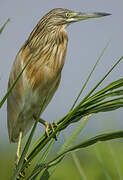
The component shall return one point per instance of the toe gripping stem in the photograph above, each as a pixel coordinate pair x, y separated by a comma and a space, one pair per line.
50, 126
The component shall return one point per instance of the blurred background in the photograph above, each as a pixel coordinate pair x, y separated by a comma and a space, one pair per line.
86, 41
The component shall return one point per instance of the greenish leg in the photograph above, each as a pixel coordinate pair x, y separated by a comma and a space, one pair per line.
48, 126
18, 148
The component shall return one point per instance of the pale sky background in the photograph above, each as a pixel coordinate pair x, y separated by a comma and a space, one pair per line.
86, 41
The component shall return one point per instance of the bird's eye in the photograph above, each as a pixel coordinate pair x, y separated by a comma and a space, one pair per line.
67, 15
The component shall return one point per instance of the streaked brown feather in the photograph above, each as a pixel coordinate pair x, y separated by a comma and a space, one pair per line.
42, 74
15, 98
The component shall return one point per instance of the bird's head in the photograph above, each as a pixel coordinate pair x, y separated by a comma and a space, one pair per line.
49, 25
60, 16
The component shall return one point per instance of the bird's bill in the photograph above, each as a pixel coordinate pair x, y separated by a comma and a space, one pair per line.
83, 16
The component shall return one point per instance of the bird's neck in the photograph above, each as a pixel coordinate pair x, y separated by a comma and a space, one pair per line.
52, 46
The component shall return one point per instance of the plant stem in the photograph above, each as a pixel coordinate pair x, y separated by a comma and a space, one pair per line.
78, 166
112, 153
89, 76
100, 160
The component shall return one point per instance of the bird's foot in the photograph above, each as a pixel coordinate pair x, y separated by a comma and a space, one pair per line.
25, 160
50, 126
22, 174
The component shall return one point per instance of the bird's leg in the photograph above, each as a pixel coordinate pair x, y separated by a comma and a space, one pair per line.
18, 148
48, 126
22, 174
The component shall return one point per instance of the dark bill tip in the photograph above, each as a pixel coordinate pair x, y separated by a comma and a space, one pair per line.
102, 14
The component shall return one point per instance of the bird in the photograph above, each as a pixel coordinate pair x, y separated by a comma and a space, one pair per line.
41, 78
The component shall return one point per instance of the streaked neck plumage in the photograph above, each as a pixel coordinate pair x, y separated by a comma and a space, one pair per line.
52, 45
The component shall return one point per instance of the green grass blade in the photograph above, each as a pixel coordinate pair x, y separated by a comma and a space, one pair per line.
102, 93
89, 142
45, 175
97, 85
68, 142
100, 160
66, 120
36, 144
2, 28
17, 171
71, 139
36, 172
43, 158
100, 107
102, 103
78, 166
102, 97
46, 167
110, 88
96, 108
114, 159
105, 106
89, 76
70, 114
45, 155
21, 161
46, 152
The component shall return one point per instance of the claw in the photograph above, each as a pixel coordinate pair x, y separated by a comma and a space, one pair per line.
25, 160
55, 124
50, 126
21, 175
47, 125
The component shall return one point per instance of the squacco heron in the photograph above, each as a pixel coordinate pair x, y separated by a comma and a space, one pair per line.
42, 74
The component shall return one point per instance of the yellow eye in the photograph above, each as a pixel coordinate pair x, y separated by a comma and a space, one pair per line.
67, 15
70, 14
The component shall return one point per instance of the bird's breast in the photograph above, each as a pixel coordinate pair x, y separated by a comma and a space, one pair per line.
37, 88
46, 64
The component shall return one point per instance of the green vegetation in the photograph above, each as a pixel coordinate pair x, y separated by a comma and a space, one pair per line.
100, 161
